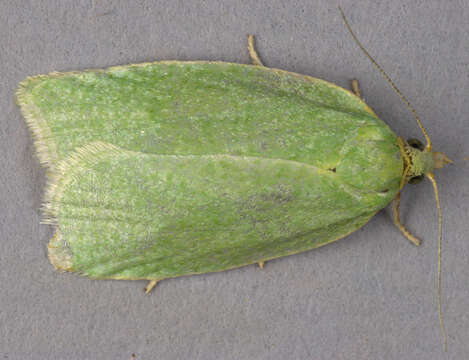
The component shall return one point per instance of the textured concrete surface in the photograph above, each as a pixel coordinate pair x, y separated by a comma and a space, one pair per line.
369, 296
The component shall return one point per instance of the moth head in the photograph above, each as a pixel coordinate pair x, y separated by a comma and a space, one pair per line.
422, 160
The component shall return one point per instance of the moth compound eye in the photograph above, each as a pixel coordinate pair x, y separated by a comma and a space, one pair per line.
416, 144
416, 179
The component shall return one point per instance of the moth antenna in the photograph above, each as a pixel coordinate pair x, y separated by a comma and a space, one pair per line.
431, 177
428, 147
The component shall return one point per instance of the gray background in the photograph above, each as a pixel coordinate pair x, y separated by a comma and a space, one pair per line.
371, 295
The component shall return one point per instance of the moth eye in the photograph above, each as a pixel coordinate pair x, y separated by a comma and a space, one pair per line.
416, 144
416, 179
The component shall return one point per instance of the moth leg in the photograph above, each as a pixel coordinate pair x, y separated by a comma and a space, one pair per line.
252, 51
261, 264
397, 221
150, 286
355, 88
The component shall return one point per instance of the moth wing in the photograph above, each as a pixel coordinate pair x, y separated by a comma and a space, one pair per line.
129, 215
197, 108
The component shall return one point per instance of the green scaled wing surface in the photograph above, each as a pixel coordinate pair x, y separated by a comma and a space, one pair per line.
188, 167
130, 215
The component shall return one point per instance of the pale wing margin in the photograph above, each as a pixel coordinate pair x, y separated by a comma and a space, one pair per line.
40, 130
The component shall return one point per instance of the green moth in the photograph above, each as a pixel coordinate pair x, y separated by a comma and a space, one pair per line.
165, 169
